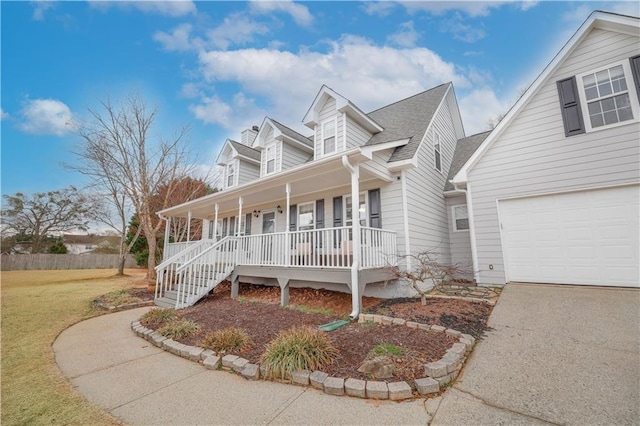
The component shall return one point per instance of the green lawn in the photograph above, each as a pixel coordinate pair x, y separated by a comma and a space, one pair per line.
36, 307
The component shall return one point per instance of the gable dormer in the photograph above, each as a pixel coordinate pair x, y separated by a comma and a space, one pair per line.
240, 164
281, 147
338, 124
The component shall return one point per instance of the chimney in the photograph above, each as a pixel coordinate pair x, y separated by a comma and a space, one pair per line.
249, 135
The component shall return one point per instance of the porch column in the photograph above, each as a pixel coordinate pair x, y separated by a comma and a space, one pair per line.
355, 243
167, 228
239, 221
215, 222
287, 250
189, 226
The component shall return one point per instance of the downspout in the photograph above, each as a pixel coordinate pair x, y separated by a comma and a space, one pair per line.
472, 229
287, 259
215, 223
355, 223
189, 226
167, 226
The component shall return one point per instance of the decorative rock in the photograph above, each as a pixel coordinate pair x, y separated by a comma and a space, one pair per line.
381, 367
166, 343
444, 379
194, 353
317, 379
459, 348
399, 390
411, 324
301, 377
156, 339
212, 362
438, 328
425, 327
399, 321
436, 369
185, 351
427, 385
206, 354
228, 360
378, 390
147, 332
176, 347
355, 387
377, 319
451, 332
251, 371
450, 357
239, 364
334, 386
263, 371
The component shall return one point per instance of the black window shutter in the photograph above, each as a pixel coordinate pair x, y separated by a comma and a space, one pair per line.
293, 217
319, 214
635, 70
375, 211
232, 225
224, 227
247, 225
337, 211
570, 105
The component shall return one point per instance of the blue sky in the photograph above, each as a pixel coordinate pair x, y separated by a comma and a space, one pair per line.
221, 67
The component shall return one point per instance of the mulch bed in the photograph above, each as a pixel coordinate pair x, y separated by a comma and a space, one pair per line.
258, 313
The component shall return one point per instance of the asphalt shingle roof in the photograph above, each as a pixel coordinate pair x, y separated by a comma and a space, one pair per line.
407, 119
244, 150
464, 150
292, 133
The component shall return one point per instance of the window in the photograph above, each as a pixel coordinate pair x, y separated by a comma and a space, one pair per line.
460, 218
362, 210
436, 152
306, 216
271, 159
329, 136
606, 97
231, 174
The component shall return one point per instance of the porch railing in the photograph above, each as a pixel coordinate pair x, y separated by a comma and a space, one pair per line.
175, 248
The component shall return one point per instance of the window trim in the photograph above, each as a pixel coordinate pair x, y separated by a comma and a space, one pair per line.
344, 209
633, 96
437, 152
454, 218
335, 136
269, 146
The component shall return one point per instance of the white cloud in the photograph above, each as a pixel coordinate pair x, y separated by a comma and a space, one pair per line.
406, 36
3, 114
39, 9
174, 8
235, 29
46, 116
471, 8
478, 106
179, 38
624, 7
379, 7
240, 113
462, 31
528, 4
299, 13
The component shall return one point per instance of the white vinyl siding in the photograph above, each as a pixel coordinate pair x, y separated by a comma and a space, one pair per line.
459, 242
533, 156
428, 215
356, 134
293, 156
247, 172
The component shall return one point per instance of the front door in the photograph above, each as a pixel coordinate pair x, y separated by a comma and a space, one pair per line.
268, 227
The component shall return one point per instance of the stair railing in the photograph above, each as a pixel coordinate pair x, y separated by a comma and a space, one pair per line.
166, 270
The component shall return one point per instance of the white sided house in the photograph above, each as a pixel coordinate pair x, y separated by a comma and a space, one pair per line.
331, 210
552, 194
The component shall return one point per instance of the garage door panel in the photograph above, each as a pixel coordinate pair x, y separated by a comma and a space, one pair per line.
587, 237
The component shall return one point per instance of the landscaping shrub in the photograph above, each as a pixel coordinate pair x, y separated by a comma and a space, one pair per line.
299, 348
158, 317
230, 339
386, 349
179, 329
119, 297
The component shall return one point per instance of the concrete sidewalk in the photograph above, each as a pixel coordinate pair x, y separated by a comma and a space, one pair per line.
556, 354
141, 384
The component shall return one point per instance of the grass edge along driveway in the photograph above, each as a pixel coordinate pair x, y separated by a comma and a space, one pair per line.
36, 307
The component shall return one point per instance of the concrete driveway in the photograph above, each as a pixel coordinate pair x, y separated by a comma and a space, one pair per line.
556, 354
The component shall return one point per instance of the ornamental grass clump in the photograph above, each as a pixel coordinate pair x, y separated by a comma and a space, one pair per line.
230, 339
299, 348
179, 329
158, 317
119, 297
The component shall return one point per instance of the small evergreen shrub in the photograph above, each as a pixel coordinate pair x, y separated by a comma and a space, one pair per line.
230, 339
299, 348
179, 329
158, 317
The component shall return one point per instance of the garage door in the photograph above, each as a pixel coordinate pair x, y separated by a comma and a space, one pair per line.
588, 237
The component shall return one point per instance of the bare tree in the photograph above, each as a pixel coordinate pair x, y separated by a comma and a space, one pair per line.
422, 267
118, 149
38, 215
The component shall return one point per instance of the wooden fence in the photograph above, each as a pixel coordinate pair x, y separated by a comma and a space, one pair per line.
17, 262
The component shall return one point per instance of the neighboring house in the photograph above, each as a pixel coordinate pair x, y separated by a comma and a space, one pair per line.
81, 244
552, 194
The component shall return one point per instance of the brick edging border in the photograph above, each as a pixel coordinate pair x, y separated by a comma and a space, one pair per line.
437, 374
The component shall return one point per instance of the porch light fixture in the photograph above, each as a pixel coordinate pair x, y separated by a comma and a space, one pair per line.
279, 209
256, 213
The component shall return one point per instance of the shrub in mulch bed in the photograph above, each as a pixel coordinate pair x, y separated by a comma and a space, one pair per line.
125, 298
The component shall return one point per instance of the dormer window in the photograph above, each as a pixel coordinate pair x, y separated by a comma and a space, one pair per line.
329, 136
270, 159
231, 174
